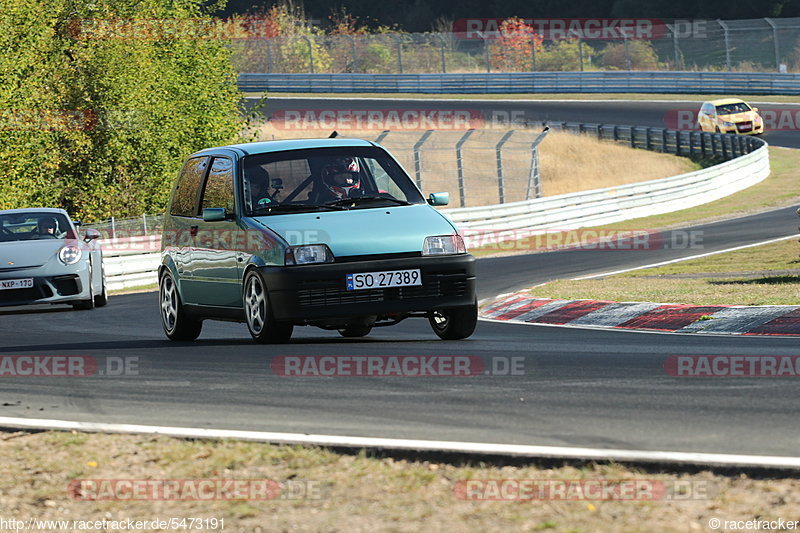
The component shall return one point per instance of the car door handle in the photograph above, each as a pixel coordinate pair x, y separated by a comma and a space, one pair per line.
193, 231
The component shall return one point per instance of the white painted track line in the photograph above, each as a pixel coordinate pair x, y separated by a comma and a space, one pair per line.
560, 452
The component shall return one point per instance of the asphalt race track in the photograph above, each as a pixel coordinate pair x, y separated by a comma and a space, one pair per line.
661, 114
579, 387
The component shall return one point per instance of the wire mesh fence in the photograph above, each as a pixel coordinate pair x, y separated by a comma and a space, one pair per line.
755, 45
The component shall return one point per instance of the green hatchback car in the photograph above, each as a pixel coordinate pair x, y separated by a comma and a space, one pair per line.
329, 233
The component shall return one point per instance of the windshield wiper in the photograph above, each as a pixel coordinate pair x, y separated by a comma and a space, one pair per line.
358, 200
284, 208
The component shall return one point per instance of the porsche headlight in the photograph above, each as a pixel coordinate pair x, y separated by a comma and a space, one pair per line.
444, 245
308, 254
69, 254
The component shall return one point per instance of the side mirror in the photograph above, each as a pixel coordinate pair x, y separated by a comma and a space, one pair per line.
214, 214
755, 109
91, 234
439, 198
77, 223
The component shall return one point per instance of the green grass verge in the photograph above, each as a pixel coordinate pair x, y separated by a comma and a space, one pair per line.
762, 275
549, 96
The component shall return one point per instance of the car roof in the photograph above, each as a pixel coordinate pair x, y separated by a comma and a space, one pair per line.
265, 147
51, 210
724, 101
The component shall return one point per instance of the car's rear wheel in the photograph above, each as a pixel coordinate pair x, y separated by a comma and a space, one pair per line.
353, 331
454, 324
177, 326
260, 322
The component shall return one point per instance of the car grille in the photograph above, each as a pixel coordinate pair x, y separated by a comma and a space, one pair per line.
744, 126
334, 293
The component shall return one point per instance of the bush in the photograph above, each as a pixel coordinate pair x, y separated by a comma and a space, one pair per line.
642, 54
140, 105
564, 56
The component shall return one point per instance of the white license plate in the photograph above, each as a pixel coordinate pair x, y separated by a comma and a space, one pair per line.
380, 280
26, 283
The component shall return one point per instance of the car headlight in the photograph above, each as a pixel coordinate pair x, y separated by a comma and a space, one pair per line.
308, 254
444, 245
728, 124
69, 254
758, 119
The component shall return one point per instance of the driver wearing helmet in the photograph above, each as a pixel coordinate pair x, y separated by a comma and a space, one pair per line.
341, 179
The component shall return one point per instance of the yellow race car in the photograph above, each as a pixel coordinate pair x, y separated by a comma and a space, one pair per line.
730, 115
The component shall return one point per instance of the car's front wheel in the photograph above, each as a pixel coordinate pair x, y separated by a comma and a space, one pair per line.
260, 322
454, 324
85, 305
177, 326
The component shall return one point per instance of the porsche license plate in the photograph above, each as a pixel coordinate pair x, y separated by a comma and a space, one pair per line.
381, 280
6, 284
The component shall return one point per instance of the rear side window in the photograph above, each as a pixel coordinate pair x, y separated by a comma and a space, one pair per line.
218, 191
184, 200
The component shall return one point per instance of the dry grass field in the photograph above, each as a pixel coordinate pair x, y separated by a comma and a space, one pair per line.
569, 163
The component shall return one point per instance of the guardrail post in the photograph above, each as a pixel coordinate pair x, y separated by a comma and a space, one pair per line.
616, 132
713, 143
498, 152
675, 48
444, 60
599, 132
727, 44
534, 180
399, 41
417, 162
691, 143
355, 55
647, 142
664, 141
677, 143
269, 55
703, 143
775, 43
310, 53
144, 224
633, 136
113, 229
460, 166
724, 147
742, 146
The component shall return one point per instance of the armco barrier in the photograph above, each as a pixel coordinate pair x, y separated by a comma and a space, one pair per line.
614, 204
132, 261
529, 82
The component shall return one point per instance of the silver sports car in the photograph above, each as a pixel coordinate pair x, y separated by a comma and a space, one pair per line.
42, 260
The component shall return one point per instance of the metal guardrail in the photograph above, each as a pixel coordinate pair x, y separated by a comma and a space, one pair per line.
528, 83
133, 261
615, 204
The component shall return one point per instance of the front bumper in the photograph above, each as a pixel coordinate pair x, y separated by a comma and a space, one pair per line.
308, 293
743, 129
63, 287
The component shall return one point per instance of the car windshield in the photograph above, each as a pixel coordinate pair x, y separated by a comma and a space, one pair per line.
34, 225
325, 178
730, 109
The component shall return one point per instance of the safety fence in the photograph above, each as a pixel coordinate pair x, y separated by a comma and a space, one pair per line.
482, 45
